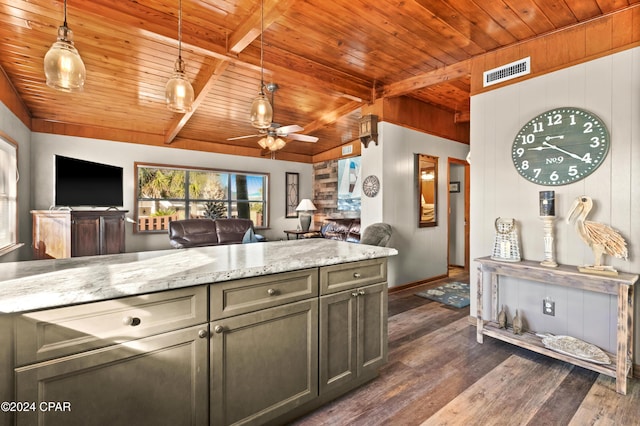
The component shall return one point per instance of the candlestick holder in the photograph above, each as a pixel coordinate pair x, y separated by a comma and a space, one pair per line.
549, 260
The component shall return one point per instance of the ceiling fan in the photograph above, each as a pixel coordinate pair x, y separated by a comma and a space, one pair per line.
272, 137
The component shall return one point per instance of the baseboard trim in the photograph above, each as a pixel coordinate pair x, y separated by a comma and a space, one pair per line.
416, 283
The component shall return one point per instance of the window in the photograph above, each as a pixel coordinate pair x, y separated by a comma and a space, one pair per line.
8, 194
166, 193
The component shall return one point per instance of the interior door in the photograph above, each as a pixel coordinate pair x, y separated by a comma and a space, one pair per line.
458, 208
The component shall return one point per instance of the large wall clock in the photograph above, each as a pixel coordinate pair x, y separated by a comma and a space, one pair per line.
560, 146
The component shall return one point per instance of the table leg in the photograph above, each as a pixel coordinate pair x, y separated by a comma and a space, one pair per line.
622, 355
480, 323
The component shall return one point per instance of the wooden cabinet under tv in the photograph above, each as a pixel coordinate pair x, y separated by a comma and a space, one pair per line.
59, 234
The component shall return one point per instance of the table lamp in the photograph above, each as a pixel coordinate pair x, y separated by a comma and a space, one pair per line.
304, 208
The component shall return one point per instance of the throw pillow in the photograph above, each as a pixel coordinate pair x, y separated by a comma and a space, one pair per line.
249, 237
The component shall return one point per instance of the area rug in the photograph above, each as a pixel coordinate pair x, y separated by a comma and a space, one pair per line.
453, 294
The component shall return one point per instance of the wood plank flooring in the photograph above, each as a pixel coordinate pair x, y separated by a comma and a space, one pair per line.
438, 374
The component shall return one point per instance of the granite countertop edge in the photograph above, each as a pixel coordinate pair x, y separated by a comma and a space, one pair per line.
44, 284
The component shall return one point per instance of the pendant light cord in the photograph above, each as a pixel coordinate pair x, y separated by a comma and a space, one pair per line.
179, 29
65, 13
262, 47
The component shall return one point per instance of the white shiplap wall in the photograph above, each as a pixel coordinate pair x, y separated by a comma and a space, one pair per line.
609, 87
422, 252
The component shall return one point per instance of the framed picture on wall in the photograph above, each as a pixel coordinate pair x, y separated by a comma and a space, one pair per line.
349, 184
454, 186
292, 196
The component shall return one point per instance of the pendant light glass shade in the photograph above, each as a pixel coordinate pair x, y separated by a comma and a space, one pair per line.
63, 67
261, 112
178, 91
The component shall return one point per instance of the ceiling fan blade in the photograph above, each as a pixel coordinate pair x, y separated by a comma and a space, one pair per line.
302, 138
285, 130
244, 137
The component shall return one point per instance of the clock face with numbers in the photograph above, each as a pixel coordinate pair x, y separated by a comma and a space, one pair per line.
560, 146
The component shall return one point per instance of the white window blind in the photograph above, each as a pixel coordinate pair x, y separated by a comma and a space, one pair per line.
8, 194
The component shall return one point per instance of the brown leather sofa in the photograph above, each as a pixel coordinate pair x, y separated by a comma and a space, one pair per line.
347, 229
210, 232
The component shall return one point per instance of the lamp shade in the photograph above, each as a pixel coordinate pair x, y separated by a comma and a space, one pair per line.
63, 67
306, 205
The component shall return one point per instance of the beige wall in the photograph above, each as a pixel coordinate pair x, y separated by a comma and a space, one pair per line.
609, 87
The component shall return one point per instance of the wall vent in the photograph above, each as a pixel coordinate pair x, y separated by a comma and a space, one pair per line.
348, 149
507, 72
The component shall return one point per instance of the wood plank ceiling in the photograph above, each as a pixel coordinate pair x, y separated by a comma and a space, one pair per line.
328, 57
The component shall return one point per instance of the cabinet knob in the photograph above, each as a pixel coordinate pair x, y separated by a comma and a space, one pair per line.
356, 275
354, 294
360, 292
272, 292
203, 333
132, 321
218, 329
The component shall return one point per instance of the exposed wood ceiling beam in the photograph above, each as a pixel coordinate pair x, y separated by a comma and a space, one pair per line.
250, 29
203, 83
447, 73
332, 117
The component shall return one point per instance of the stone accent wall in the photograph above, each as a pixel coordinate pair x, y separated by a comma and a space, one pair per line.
325, 193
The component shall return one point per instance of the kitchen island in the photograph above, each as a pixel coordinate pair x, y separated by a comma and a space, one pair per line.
240, 334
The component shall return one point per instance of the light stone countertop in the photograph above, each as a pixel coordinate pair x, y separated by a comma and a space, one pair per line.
43, 284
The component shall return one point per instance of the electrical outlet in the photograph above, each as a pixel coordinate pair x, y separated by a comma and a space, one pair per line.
549, 307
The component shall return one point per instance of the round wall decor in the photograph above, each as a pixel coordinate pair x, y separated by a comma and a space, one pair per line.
560, 146
371, 186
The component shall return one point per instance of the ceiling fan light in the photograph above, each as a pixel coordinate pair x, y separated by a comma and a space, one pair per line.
261, 112
263, 143
178, 91
279, 144
63, 67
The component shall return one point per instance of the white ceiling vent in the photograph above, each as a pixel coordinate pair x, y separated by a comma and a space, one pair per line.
507, 72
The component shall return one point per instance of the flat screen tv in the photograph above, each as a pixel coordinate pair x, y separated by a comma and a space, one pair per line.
85, 183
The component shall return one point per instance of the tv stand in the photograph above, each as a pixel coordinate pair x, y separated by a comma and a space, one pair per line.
72, 233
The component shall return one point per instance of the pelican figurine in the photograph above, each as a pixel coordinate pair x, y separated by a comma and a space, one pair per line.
600, 237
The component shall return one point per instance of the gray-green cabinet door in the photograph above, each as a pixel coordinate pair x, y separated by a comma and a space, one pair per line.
338, 339
158, 380
264, 363
372, 332
353, 335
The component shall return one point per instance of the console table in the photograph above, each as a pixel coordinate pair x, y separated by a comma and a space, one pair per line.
620, 285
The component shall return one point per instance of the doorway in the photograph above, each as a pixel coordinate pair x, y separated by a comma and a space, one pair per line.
458, 208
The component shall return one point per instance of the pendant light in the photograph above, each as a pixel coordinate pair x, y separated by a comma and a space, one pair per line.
261, 111
63, 67
178, 91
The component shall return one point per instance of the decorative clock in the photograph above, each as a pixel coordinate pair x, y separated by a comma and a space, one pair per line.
371, 186
560, 146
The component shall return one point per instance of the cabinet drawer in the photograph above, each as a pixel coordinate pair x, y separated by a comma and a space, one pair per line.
237, 297
350, 275
58, 332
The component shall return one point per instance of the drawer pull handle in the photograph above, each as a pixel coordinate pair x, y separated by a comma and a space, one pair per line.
132, 321
356, 275
272, 292
218, 329
203, 333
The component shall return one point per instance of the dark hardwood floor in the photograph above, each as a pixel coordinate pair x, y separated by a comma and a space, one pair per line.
438, 374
